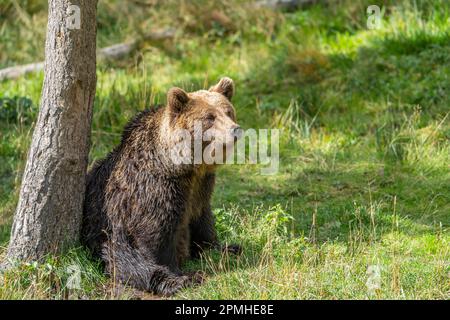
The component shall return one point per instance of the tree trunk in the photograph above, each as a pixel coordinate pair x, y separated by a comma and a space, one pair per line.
49, 211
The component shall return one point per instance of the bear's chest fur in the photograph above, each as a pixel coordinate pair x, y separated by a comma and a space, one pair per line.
195, 202
196, 198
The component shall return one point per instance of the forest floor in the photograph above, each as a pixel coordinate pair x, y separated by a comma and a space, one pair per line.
360, 206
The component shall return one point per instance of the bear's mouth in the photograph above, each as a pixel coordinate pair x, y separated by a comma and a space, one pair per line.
219, 151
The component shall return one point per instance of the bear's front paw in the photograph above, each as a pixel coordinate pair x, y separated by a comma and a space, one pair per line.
172, 286
232, 248
182, 282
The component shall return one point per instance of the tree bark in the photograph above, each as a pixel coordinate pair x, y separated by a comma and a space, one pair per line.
49, 211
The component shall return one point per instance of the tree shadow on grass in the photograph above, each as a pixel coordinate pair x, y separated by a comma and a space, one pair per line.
340, 198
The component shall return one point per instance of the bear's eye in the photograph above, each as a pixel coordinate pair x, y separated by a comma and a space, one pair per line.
229, 113
210, 117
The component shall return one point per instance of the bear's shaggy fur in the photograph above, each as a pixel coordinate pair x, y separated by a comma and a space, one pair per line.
143, 214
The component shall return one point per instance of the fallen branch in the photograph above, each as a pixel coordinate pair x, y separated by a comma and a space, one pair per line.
113, 52
120, 50
17, 71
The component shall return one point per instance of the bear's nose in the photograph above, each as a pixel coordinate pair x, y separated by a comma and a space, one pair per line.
237, 132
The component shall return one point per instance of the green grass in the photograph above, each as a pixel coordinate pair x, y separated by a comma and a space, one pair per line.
364, 175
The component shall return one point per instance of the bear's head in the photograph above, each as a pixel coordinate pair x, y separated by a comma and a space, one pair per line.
202, 124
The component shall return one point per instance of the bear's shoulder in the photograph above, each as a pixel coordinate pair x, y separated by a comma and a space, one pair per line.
140, 120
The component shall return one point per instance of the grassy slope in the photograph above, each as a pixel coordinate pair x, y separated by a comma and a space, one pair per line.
364, 150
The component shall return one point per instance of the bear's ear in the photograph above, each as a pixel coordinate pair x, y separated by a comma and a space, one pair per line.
225, 87
176, 100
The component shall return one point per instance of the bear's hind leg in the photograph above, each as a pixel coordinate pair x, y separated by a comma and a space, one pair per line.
129, 266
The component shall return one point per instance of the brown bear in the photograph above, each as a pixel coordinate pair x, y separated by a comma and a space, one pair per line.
144, 214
